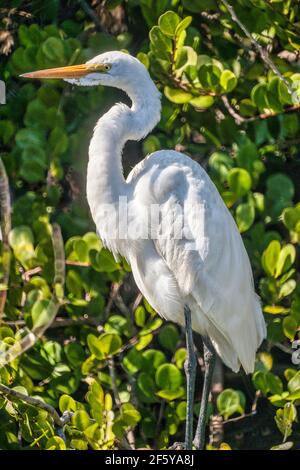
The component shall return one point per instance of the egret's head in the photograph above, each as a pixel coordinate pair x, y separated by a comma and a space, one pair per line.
115, 69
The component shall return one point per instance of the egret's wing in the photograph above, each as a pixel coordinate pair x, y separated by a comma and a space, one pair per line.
208, 259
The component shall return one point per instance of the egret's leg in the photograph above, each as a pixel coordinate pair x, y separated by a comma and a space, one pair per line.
190, 370
209, 362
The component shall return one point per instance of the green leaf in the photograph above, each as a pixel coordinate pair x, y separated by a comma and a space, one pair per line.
81, 250
260, 382
104, 261
106, 345
171, 394
285, 260
168, 337
259, 97
21, 236
81, 420
36, 366
140, 316
284, 446
42, 313
287, 288
55, 443
177, 96
280, 187
133, 361
67, 382
274, 383
289, 326
294, 383
291, 216
270, 257
228, 80
247, 108
130, 415
245, 215
162, 44
67, 403
31, 138
168, 23
202, 102
180, 357
182, 25
168, 377
209, 76
53, 51
146, 389
75, 354
239, 181
276, 310
186, 58
229, 403
152, 359
284, 419
144, 340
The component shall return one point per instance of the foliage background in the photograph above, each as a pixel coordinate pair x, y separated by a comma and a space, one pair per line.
107, 358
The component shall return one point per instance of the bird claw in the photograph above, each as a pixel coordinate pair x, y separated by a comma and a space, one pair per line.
178, 446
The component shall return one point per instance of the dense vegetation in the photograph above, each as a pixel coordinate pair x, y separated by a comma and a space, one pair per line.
109, 368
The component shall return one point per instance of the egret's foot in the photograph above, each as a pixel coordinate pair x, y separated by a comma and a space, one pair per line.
178, 446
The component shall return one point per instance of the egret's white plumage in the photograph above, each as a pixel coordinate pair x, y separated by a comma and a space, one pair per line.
215, 279
206, 268
169, 221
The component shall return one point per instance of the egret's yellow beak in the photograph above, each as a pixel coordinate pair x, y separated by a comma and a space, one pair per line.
71, 71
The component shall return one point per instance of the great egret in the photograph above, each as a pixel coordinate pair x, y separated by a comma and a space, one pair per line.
202, 278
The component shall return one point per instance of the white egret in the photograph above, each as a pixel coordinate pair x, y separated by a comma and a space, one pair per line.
202, 279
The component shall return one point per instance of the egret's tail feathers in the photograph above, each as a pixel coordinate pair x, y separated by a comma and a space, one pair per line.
224, 348
237, 340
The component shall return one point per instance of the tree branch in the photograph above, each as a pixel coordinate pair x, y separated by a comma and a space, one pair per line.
242, 120
14, 395
262, 52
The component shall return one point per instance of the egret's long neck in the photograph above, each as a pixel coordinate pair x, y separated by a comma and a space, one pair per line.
105, 180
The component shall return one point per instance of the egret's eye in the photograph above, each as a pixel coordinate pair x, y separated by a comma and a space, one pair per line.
99, 67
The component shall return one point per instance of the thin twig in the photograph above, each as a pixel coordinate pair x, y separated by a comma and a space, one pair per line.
112, 373
116, 286
262, 52
83, 264
239, 418
283, 348
5, 208
31, 272
238, 118
137, 301
122, 306
90, 12
262, 116
61, 322
15, 395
